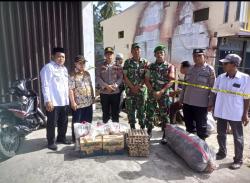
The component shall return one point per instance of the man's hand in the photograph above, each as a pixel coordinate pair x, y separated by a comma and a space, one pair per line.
174, 93
49, 106
114, 86
74, 106
135, 89
210, 108
158, 94
180, 104
110, 88
245, 119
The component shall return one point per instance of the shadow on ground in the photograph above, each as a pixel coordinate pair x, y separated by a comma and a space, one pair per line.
32, 145
163, 164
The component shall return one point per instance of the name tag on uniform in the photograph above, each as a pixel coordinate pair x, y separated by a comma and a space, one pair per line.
236, 85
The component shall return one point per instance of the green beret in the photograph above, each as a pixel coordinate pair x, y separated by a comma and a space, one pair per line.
159, 48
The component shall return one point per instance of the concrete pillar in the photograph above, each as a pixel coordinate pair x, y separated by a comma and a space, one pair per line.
88, 39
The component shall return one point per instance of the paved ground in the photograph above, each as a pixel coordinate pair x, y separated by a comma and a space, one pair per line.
35, 163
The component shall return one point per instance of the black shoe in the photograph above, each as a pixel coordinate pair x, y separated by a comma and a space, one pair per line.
132, 126
52, 147
67, 142
220, 156
235, 165
149, 131
164, 141
142, 127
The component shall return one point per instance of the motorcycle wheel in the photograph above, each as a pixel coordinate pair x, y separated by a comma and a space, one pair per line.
9, 142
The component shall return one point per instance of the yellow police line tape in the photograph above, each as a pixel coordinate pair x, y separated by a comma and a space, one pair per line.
210, 88
202, 86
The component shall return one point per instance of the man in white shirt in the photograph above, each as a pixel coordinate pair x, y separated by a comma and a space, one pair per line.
54, 78
232, 108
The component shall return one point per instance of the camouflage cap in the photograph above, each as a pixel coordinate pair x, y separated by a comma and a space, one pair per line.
159, 48
135, 45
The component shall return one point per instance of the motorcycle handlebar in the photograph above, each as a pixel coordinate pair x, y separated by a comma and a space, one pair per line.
31, 79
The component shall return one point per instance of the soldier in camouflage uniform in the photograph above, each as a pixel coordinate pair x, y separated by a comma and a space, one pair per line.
134, 72
158, 77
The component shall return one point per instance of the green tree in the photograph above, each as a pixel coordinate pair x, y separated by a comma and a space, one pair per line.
103, 11
97, 26
108, 8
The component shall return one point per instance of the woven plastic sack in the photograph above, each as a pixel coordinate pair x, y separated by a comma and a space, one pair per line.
193, 150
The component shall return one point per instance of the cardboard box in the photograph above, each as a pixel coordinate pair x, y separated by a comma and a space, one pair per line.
113, 144
88, 147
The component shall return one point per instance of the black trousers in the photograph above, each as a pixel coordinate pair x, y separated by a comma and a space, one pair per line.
174, 111
196, 114
110, 107
237, 134
60, 116
80, 115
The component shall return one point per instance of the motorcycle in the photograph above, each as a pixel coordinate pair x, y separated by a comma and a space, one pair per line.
19, 118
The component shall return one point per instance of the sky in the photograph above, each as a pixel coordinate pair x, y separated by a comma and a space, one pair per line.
124, 4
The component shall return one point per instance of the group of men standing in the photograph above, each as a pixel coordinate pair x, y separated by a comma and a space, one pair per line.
149, 88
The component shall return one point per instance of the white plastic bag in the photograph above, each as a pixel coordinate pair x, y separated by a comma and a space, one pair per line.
118, 128
109, 128
81, 129
98, 129
211, 124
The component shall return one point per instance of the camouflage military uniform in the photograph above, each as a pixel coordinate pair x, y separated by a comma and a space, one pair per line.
158, 76
135, 73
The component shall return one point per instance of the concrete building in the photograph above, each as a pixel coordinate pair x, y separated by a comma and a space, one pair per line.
222, 27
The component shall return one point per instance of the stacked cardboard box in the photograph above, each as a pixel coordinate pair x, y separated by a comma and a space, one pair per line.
90, 147
113, 144
138, 142
102, 145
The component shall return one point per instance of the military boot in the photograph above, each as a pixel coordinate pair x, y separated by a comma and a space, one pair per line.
132, 126
142, 127
149, 132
